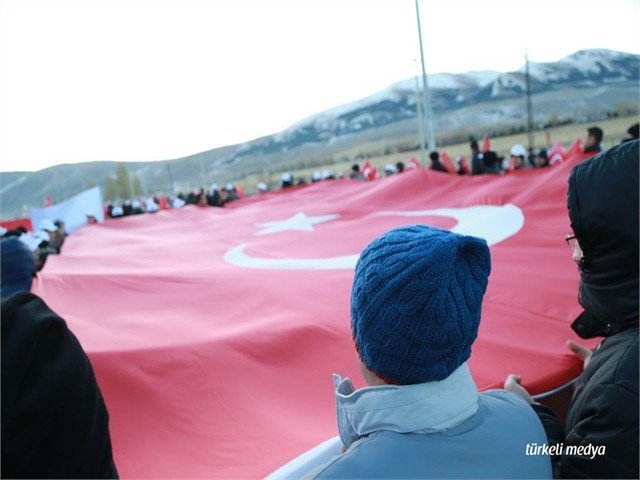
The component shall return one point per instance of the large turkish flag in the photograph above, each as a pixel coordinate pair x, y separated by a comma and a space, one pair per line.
214, 332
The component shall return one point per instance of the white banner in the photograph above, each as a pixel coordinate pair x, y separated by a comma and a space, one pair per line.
73, 212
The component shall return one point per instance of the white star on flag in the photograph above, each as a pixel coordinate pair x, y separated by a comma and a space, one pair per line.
299, 222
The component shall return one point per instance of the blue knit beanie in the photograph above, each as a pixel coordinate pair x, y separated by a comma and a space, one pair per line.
416, 301
17, 268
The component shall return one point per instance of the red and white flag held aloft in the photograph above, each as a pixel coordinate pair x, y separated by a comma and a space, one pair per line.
214, 333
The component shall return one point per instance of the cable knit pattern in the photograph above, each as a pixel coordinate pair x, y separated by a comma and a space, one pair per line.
416, 301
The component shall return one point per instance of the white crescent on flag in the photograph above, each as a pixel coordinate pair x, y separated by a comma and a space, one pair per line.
493, 223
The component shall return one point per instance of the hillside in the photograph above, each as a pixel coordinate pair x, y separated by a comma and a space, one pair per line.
586, 86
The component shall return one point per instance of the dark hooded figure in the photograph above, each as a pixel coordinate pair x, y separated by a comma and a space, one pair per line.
54, 420
603, 209
435, 162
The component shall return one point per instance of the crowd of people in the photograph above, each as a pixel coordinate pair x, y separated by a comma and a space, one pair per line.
46, 240
49, 236
518, 158
214, 197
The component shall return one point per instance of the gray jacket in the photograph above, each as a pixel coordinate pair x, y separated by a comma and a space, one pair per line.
442, 429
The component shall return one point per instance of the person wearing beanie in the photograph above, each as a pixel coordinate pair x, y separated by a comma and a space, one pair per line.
18, 266
415, 311
603, 209
542, 159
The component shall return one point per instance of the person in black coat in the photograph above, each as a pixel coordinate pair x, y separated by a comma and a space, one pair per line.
54, 420
603, 208
436, 164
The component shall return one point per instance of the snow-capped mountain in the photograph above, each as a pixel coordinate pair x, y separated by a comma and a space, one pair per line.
469, 100
582, 86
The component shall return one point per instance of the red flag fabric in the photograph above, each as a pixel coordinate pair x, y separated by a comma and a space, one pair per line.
557, 154
214, 332
164, 204
447, 162
17, 222
465, 165
47, 201
486, 144
575, 148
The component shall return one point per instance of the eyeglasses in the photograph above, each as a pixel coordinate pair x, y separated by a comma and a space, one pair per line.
570, 238
576, 251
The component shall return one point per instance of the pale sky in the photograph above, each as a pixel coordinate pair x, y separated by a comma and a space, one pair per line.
136, 80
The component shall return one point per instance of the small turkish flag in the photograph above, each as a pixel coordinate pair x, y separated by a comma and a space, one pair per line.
486, 144
47, 201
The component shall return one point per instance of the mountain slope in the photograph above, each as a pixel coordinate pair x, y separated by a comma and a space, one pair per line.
579, 87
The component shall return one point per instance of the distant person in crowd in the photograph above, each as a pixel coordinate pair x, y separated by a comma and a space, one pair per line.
202, 198
91, 218
422, 415
178, 202
127, 208
44, 248
224, 196
18, 267
389, 170
492, 163
136, 207
531, 158
477, 162
316, 177
400, 167
54, 420
61, 234
301, 181
286, 180
435, 162
262, 187
518, 156
30, 241
594, 140
192, 198
633, 133
603, 209
2, 231
117, 211
542, 159
356, 174
47, 225
328, 175
214, 199
232, 192
15, 232
152, 205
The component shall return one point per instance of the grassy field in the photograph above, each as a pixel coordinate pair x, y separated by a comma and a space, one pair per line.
614, 130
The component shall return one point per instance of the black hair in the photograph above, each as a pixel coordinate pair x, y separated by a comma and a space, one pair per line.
596, 133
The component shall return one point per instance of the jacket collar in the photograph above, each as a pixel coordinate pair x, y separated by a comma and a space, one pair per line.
422, 408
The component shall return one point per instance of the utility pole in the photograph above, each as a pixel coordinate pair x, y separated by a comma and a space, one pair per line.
173, 190
203, 176
423, 155
425, 88
529, 108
